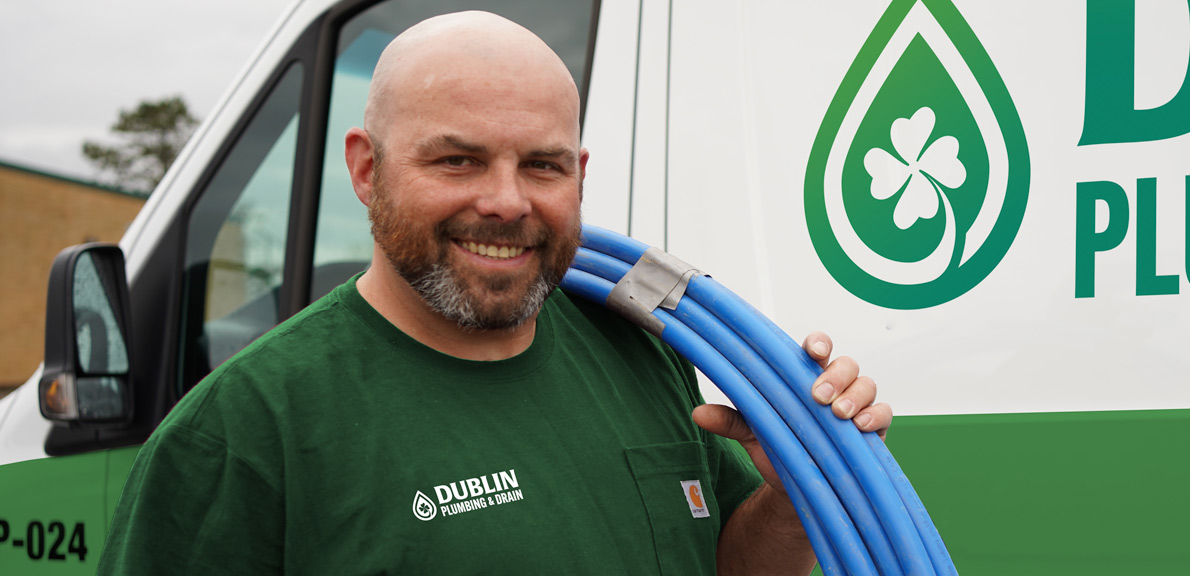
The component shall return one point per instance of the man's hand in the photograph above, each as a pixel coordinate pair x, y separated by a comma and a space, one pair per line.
764, 535
850, 395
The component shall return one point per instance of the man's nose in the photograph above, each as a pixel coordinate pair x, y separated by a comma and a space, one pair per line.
504, 195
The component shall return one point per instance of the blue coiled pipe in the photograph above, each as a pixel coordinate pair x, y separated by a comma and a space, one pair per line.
760, 416
792, 412
859, 510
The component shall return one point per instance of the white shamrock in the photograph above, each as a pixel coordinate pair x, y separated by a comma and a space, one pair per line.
938, 164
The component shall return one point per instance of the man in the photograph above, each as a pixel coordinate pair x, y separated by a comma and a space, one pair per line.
449, 411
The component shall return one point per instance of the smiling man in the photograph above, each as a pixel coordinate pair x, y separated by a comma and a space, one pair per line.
449, 411
471, 169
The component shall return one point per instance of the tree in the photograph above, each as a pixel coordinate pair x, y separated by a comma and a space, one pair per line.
150, 138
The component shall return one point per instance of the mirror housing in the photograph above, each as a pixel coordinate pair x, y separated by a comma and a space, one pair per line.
86, 379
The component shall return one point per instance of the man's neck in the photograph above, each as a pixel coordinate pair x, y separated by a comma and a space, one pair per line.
394, 299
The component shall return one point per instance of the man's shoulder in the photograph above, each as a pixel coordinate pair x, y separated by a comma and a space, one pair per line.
333, 320
290, 350
573, 307
575, 313
588, 318
312, 327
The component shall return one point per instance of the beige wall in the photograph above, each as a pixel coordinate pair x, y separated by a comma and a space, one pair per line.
41, 214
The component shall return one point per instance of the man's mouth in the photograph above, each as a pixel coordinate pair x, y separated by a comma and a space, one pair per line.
496, 251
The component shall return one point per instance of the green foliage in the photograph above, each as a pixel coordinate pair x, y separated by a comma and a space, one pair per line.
150, 137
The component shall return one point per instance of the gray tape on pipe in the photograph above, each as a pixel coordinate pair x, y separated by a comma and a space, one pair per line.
657, 279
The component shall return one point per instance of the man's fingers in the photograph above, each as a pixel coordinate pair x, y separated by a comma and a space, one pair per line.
724, 421
835, 379
819, 346
849, 395
857, 396
875, 418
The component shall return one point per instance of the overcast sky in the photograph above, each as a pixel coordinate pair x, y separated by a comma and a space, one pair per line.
67, 67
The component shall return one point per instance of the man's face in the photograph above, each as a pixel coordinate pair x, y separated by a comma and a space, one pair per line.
476, 197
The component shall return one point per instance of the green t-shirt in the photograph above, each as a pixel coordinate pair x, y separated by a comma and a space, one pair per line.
336, 444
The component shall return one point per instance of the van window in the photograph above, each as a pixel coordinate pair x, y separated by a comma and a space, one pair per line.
343, 239
236, 237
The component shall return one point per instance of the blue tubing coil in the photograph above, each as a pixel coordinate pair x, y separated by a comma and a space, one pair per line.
859, 511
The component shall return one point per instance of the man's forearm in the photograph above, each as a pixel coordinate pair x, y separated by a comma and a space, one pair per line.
764, 536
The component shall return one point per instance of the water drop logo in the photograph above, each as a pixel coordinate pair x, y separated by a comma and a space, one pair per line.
918, 177
424, 508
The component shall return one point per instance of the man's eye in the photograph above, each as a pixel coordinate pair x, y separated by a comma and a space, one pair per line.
457, 161
542, 165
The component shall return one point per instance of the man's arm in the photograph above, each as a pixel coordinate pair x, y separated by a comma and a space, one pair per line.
763, 534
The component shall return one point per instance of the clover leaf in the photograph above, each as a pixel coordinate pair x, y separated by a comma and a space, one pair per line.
924, 167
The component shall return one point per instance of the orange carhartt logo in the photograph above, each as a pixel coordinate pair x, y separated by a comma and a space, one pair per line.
693, 490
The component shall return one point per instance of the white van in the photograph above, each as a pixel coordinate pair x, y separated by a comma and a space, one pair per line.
983, 202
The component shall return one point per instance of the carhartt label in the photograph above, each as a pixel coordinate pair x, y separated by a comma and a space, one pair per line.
469, 495
693, 491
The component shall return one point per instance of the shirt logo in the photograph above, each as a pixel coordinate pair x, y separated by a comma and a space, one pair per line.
423, 507
693, 492
469, 495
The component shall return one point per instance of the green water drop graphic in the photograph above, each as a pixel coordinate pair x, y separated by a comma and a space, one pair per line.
918, 177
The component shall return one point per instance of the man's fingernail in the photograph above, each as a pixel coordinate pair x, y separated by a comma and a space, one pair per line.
819, 348
824, 392
863, 420
846, 406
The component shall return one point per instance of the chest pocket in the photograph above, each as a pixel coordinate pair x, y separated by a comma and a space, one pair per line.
675, 486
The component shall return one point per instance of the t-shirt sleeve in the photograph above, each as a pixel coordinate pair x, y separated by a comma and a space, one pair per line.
191, 506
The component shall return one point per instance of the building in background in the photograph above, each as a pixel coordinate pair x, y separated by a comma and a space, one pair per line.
40, 214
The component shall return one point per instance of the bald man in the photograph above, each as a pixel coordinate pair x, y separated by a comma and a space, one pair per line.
449, 411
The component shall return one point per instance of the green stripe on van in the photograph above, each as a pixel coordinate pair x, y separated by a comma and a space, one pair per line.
54, 512
1054, 493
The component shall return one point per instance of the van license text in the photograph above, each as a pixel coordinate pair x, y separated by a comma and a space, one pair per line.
45, 540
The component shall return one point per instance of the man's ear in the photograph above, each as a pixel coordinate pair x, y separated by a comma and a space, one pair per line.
360, 163
583, 156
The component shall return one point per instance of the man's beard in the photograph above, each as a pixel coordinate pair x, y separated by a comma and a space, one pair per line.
419, 252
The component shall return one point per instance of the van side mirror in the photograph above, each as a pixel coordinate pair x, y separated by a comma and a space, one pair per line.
86, 377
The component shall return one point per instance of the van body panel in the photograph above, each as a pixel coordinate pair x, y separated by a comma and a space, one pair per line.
22, 428
59, 522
